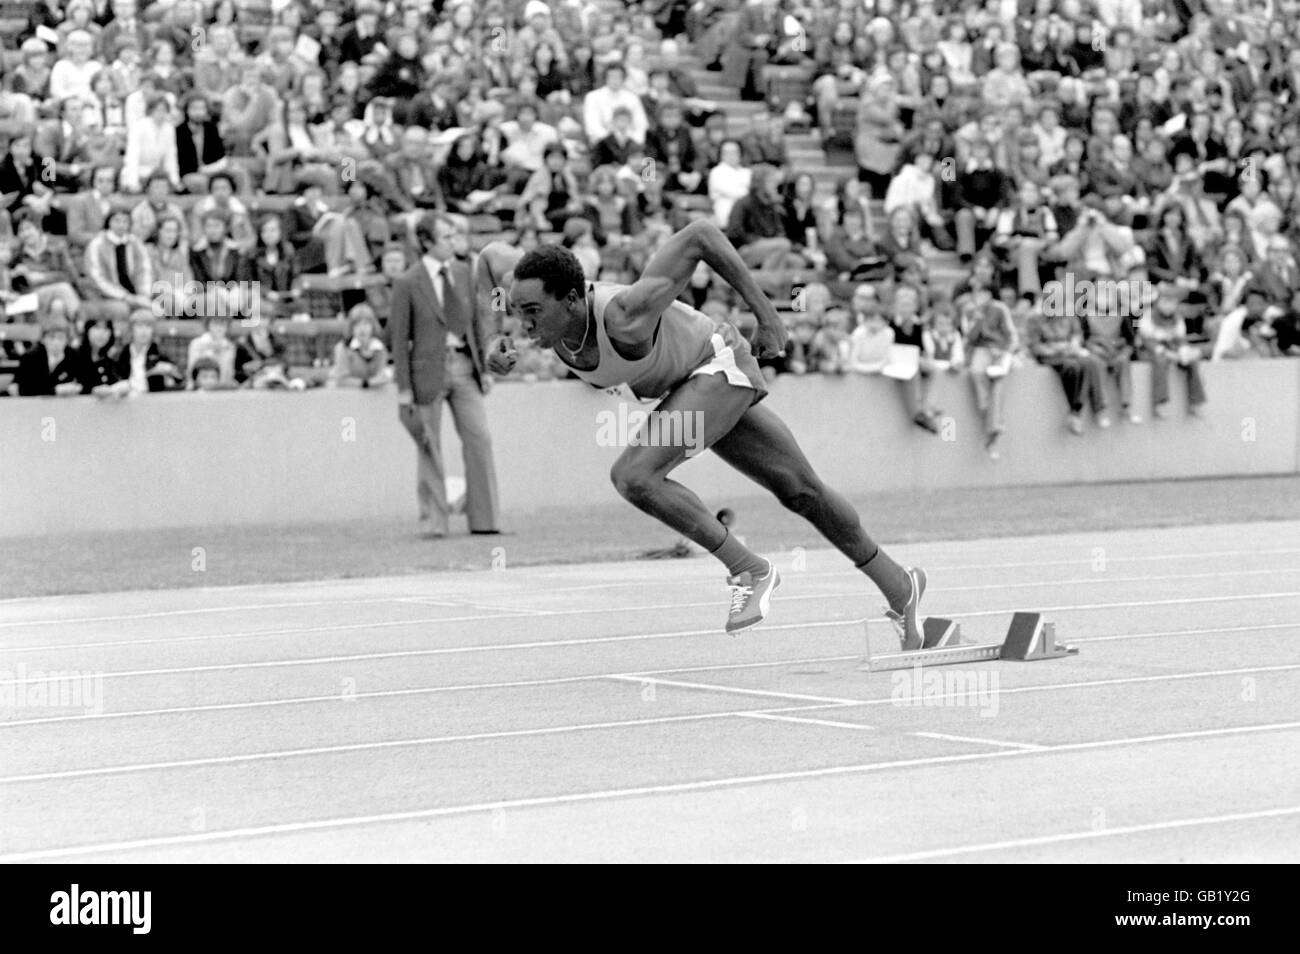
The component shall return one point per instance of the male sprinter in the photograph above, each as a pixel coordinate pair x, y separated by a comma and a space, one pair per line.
640, 335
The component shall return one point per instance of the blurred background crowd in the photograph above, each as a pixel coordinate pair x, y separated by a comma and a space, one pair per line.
923, 187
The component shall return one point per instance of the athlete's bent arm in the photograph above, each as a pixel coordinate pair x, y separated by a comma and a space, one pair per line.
496, 261
633, 315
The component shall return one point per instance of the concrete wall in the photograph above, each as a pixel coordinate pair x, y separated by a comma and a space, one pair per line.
257, 458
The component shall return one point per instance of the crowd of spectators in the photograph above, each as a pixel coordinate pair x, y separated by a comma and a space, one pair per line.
991, 152
1146, 150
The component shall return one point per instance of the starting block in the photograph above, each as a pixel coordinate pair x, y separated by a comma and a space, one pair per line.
1029, 638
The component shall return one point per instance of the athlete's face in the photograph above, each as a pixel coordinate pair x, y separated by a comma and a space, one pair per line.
544, 317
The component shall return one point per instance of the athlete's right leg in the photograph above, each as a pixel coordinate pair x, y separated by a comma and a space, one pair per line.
699, 412
762, 447
708, 407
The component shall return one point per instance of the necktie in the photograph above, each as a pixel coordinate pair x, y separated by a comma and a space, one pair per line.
123, 270
452, 309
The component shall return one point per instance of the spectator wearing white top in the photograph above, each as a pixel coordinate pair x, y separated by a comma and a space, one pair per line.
150, 146
915, 187
598, 107
72, 74
870, 343
1116, 13
526, 140
729, 182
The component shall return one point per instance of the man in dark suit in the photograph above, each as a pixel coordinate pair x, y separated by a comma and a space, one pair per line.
439, 342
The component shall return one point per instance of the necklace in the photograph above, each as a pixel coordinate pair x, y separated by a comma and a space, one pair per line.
586, 330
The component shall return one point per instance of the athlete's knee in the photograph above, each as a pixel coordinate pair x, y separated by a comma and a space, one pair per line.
634, 484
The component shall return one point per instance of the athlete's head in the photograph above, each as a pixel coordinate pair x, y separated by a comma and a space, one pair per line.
549, 293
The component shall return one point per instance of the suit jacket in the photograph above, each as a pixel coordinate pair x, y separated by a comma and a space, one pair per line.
417, 326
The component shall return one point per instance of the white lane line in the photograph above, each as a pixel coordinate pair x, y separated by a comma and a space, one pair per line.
1262, 627
466, 605
1096, 579
294, 631
444, 651
418, 691
1071, 607
979, 741
1111, 558
196, 611
1073, 836
846, 575
818, 703
562, 680
342, 748
424, 814
633, 637
1082, 684
738, 690
784, 718
516, 614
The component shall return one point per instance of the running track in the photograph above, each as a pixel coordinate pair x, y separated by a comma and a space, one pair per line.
597, 713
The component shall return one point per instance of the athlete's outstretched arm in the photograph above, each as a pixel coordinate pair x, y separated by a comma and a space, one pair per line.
634, 314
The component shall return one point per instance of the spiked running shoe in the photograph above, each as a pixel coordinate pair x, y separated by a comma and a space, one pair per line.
751, 596
907, 622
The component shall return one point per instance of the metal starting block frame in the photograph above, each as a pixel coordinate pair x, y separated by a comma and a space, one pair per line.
1029, 638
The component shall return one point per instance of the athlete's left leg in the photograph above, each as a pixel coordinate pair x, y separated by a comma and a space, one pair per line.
762, 447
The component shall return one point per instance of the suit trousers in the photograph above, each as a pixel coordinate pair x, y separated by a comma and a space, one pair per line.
468, 411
